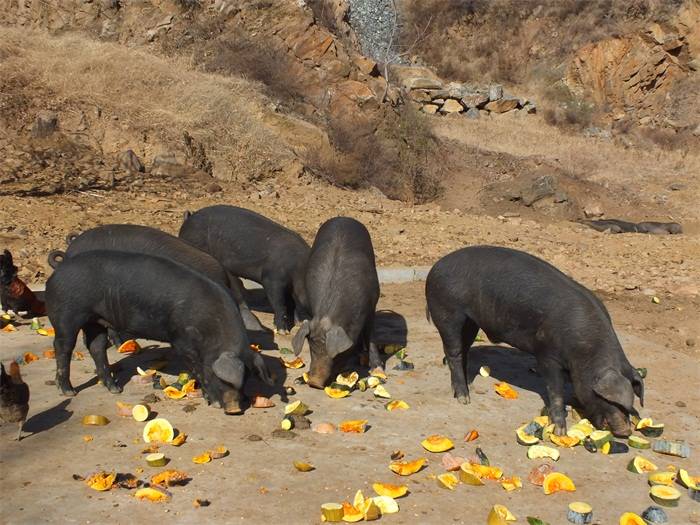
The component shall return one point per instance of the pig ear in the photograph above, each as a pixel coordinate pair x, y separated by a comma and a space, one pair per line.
337, 341
615, 388
256, 363
300, 337
637, 383
228, 367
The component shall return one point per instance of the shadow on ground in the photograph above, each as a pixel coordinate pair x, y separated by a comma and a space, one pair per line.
48, 419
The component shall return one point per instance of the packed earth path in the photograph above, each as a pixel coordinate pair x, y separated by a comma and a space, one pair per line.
257, 482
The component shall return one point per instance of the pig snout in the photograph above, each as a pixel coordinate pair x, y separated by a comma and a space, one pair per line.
320, 373
619, 423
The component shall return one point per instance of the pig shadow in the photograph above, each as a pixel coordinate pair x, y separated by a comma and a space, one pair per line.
48, 419
512, 366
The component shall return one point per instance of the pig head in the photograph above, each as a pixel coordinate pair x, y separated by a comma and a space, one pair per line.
326, 341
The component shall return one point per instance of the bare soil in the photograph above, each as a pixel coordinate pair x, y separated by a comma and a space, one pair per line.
257, 483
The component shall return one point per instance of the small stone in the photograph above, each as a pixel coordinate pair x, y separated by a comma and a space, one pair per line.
541, 187
50, 382
496, 92
129, 161
421, 83
560, 196
690, 342
451, 106
676, 186
473, 113
502, 105
430, 109
213, 187
253, 437
150, 399
284, 434
680, 404
593, 210
475, 100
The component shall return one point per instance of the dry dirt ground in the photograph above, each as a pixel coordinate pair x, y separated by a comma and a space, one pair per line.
257, 483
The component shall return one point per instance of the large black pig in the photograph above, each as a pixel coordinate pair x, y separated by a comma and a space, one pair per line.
252, 246
151, 298
343, 290
134, 238
527, 303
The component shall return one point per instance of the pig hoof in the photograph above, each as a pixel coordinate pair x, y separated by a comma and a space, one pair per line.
68, 392
560, 430
233, 410
464, 399
215, 404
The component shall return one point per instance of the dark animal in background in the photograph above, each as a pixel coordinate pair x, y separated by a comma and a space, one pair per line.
523, 301
254, 247
618, 226
14, 397
343, 290
133, 238
15, 295
151, 298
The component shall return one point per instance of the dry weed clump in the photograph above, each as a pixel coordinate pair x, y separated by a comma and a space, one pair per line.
397, 154
164, 97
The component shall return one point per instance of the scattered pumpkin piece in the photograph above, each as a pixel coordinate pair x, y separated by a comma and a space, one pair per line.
158, 430
127, 481
357, 426
386, 504
336, 393
169, 477
219, 452
397, 404
9, 327
511, 483
296, 363
140, 371
151, 494
200, 503
447, 480
471, 436
179, 440
78, 355
255, 348
303, 467
297, 408
556, 481
173, 393
87, 438
47, 332
451, 463
189, 387
202, 458
332, 512
49, 354
101, 481
349, 379
505, 391
124, 409
437, 443
564, 441
351, 514
30, 357
486, 471
397, 454
499, 515
537, 474
406, 468
382, 392
389, 489
129, 347
324, 428
95, 420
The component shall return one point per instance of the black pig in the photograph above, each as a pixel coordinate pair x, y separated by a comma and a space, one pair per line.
133, 238
343, 290
152, 298
252, 246
527, 303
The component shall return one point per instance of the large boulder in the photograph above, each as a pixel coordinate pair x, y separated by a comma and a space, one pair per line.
451, 106
502, 105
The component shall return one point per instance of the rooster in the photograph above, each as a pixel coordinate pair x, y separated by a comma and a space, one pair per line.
14, 293
14, 397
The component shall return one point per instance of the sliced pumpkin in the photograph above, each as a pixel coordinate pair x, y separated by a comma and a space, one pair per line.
357, 426
219, 452
650, 429
579, 513
486, 471
382, 392
499, 515
189, 386
348, 379
512, 483
388, 489
406, 468
630, 518
173, 393
564, 441
101, 481
661, 478
640, 465
468, 476
437, 443
386, 504
158, 430
397, 404
665, 496
296, 363
157, 459
179, 440
169, 477
95, 420
601, 437
30, 357
9, 327
297, 408
336, 393
49, 332
129, 347
301, 466
505, 390
378, 373
350, 513
537, 474
140, 412
688, 481
140, 371
556, 481
49, 354
542, 451
471, 436
524, 438
124, 409
202, 458
151, 494
451, 463
447, 480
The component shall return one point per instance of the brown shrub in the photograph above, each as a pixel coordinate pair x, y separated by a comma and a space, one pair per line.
398, 154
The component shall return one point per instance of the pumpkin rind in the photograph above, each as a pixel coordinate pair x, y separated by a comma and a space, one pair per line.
437, 443
556, 481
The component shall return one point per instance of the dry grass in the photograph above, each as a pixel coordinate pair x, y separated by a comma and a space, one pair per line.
164, 97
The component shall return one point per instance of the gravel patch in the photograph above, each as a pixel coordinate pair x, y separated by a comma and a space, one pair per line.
372, 21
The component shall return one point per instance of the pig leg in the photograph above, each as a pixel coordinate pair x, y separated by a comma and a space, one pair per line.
249, 320
63, 345
97, 342
553, 375
453, 328
375, 360
276, 294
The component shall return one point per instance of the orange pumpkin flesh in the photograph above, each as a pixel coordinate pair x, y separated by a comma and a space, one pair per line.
556, 481
173, 393
505, 391
406, 468
388, 489
353, 425
351, 514
437, 443
101, 481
